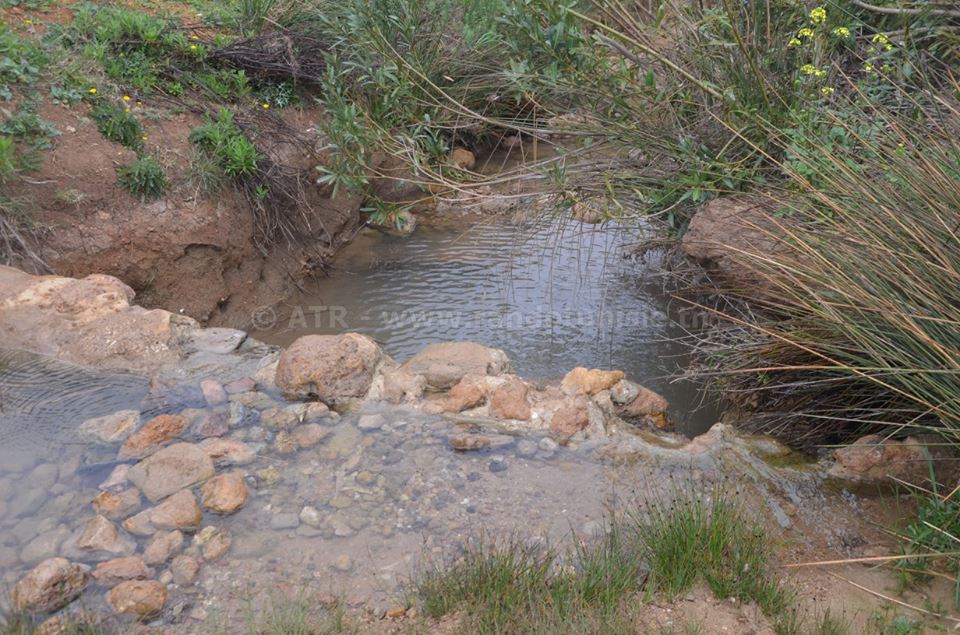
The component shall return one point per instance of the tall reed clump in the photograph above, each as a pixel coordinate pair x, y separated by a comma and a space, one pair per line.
855, 321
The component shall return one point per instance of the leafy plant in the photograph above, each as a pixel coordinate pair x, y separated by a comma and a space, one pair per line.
220, 139
144, 178
117, 124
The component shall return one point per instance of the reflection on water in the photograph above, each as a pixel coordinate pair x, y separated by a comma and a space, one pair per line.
41, 399
553, 296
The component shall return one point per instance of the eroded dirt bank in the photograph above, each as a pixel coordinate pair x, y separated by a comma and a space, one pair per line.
234, 469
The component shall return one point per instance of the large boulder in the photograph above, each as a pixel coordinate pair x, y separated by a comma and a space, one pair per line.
443, 365
511, 400
50, 586
726, 232
331, 368
874, 458
170, 470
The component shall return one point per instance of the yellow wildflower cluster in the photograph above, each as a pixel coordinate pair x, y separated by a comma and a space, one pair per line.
841, 31
818, 15
810, 69
805, 32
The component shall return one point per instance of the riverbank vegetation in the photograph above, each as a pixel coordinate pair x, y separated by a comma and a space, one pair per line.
841, 118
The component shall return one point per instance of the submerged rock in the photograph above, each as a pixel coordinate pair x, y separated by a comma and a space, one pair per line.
110, 429
100, 535
443, 365
143, 598
179, 511
50, 586
228, 451
225, 493
170, 470
163, 546
331, 368
154, 433
117, 505
113, 572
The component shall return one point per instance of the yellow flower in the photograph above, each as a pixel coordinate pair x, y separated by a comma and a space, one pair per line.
126, 110
888, 47
841, 31
808, 69
805, 32
818, 15
144, 137
93, 91
868, 67
126, 98
266, 105
827, 90
794, 42
880, 38
194, 37
193, 47
28, 21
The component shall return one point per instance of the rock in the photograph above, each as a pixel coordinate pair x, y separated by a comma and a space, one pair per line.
111, 429
245, 384
874, 458
648, 407
497, 464
117, 505
343, 563
570, 418
228, 451
225, 493
584, 381
185, 570
211, 424
180, 511
50, 586
284, 520
154, 434
220, 341
214, 542
309, 434
316, 411
285, 443
590, 211
509, 400
546, 445
163, 546
371, 422
726, 232
462, 158
311, 516
281, 418
116, 478
400, 386
624, 392
466, 442
467, 393
526, 448
101, 535
170, 470
331, 368
113, 572
443, 365
268, 476
213, 392
143, 598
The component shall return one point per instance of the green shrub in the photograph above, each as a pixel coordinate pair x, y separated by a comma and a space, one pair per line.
20, 61
117, 124
144, 178
223, 142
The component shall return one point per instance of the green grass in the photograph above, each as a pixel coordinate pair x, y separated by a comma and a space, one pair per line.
660, 551
144, 178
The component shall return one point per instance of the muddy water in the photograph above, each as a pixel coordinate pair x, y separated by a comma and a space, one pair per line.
553, 295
